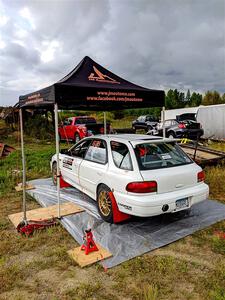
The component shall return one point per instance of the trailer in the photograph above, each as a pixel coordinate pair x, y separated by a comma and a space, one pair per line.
212, 119
203, 155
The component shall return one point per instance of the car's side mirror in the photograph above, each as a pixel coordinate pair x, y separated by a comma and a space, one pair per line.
64, 151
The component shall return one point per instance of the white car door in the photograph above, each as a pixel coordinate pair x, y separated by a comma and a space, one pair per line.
71, 163
94, 167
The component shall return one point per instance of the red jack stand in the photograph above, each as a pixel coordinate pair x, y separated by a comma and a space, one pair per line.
89, 244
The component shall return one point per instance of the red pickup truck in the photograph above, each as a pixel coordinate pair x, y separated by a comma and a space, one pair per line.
76, 128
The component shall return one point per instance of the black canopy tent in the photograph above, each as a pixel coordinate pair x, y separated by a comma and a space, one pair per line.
89, 86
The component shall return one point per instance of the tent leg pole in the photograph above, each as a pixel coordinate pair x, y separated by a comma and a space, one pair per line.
24, 167
57, 156
163, 115
105, 122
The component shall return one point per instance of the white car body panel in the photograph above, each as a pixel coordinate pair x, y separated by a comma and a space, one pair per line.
70, 174
173, 183
91, 175
172, 179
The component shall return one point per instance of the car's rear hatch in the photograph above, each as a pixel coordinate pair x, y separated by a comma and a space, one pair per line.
164, 161
172, 179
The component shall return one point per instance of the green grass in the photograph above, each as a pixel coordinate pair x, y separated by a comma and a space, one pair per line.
37, 165
123, 123
220, 146
215, 178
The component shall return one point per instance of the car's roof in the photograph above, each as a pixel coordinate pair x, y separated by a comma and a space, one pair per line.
151, 116
134, 138
169, 120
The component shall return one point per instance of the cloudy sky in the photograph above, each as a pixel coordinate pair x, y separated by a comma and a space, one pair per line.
155, 43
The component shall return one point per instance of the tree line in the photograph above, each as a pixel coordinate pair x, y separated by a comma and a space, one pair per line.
176, 99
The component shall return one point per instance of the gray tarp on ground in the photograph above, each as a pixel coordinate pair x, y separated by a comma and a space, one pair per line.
134, 237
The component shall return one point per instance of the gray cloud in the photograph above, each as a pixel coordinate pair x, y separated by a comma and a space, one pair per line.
158, 44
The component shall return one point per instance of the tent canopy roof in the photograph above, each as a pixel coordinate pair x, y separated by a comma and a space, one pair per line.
89, 86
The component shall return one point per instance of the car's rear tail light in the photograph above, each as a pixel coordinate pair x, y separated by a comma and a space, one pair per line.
201, 176
142, 187
181, 125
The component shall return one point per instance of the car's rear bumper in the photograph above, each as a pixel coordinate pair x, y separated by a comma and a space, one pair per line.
190, 133
151, 205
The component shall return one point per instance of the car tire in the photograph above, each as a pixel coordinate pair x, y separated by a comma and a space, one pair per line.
104, 203
54, 173
76, 138
171, 135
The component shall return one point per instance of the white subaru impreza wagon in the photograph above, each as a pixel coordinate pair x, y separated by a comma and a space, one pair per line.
146, 175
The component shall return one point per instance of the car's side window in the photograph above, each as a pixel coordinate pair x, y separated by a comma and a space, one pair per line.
97, 152
77, 122
69, 121
80, 149
149, 119
121, 156
167, 123
66, 122
141, 119
174, 122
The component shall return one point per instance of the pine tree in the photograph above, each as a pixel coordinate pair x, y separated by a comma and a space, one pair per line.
188, 97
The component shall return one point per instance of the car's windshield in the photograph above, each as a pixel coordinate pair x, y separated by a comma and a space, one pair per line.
160, 155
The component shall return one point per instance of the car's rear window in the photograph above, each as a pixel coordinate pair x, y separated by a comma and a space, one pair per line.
160, 155
85, 120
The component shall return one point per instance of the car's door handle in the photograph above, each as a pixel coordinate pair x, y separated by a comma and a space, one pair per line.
99, 173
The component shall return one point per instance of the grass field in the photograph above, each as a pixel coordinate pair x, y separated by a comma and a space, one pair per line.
39, 267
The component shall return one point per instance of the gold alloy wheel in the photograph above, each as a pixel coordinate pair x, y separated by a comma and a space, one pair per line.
104, 203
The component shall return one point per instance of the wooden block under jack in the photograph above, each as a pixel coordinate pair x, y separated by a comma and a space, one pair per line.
84, 260
19, 187
44, 213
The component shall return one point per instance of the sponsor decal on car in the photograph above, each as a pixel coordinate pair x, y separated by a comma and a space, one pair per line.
67, 163
125, 206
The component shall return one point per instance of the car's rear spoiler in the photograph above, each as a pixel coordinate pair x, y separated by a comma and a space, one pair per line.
154, 141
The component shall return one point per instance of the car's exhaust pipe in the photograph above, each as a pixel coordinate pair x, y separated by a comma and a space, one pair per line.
165, 207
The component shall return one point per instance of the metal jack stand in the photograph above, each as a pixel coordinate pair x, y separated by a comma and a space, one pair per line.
89, 244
